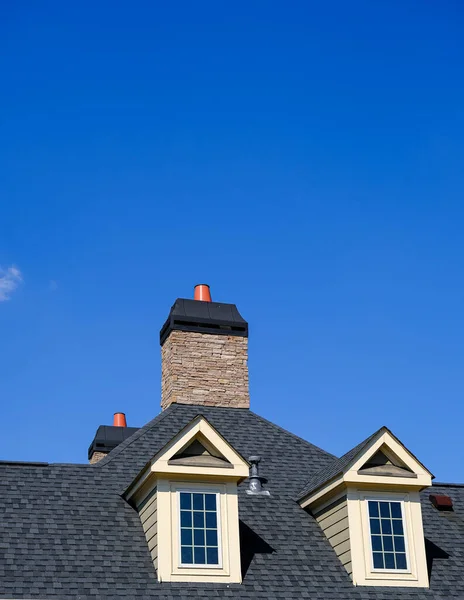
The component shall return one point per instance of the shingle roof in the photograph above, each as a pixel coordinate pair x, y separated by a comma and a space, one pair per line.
66, 532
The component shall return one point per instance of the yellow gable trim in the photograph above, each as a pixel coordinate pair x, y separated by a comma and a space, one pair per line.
209, 436
392, 444
384, 441
200, 427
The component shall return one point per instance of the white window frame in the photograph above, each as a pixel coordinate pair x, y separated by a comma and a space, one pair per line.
169, 567
199, 490
363, 572
373, 498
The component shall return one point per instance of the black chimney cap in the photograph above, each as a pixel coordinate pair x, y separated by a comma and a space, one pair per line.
108, 437
204, 317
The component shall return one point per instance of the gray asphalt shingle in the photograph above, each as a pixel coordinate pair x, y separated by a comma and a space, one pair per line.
65, 531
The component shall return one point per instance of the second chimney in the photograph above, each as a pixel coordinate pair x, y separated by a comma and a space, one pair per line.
204, 354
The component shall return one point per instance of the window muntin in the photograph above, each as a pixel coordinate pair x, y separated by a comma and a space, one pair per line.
199, 529
387, 535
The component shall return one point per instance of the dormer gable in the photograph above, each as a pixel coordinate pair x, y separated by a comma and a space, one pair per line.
380, 459
385, 463
199, 453
200, 449
386, 457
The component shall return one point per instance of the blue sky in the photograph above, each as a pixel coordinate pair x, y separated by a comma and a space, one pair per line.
305, 159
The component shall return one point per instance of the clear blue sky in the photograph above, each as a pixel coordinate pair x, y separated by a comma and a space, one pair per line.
304, 158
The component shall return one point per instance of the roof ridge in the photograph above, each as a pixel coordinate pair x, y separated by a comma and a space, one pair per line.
23, 463
156, 420
17, 464
442, 484
293, 435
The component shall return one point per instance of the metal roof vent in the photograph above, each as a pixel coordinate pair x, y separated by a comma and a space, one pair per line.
441, 502
255, 484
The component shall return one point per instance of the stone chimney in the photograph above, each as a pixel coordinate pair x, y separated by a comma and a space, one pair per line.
204, 354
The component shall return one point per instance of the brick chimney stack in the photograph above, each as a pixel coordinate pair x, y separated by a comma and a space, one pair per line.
204, 354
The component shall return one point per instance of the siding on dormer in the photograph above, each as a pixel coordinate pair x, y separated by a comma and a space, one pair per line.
333, 521
148, 514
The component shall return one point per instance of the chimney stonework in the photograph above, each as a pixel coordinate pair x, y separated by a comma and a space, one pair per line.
204, 369
204, 353
97, 456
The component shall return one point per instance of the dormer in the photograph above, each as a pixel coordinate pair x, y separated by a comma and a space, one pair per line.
187, 501
367, 504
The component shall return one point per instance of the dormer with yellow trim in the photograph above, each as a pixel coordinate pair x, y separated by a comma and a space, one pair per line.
187, 501
367, 504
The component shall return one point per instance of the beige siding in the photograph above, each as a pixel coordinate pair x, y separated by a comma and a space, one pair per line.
333, 521
148, 514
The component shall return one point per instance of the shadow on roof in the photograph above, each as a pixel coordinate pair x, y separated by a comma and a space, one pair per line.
250, 544
432, 552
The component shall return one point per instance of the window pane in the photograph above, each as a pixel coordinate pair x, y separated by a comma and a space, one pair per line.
376, 543
186, 537
199, 537
388, 543
210, 501
378, 560
186, 555
373, 509
384, 510
375, 525
399, 544
186, 500
199, 519
185, 518
200, 557
395, 510
211, 520
398, 527
211, 537
386, 526
198, 528
387, 539
389, 560
401, 561
212, 556
198, 502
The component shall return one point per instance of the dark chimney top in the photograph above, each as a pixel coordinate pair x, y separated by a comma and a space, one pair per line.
204, 317
108, 437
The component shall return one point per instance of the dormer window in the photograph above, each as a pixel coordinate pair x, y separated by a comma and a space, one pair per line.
368, 505
188, 506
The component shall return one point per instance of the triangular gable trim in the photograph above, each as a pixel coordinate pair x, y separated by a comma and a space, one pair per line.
351, 473
387, 442
198, 429
201, 429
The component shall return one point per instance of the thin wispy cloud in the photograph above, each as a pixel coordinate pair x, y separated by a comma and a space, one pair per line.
10, 278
